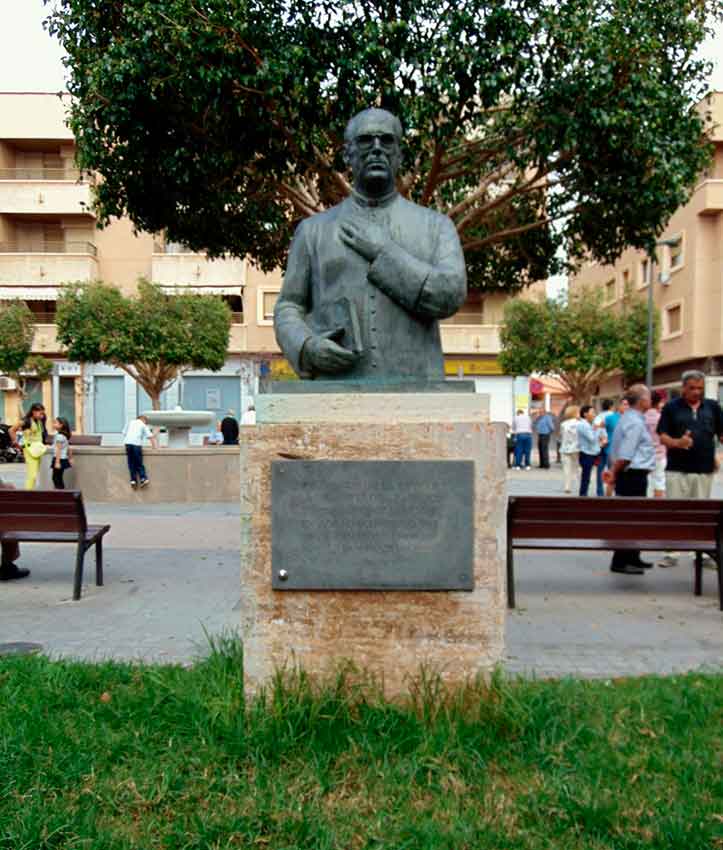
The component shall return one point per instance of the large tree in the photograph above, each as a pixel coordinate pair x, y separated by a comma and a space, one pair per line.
576, 339
536, 125
151, 336
17, 330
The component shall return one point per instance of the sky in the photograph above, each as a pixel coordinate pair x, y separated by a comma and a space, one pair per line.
30, 60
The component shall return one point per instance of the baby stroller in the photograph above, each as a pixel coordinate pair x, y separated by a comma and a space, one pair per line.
8, 452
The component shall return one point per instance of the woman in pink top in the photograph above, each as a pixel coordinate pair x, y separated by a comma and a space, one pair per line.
656, 480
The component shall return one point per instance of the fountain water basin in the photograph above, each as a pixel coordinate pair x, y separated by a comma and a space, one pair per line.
178, 423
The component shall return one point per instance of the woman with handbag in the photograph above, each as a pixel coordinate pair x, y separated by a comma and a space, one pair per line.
34, 437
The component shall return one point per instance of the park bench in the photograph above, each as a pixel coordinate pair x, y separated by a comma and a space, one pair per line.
680, 525
52, 516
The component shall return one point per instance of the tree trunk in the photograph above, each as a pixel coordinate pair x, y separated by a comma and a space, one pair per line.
22, 395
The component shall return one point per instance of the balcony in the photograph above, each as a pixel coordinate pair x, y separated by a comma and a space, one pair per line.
223, 276
45, 191
710, 197
470, 339
53, 264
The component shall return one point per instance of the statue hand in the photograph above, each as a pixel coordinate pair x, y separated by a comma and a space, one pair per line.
321, 354
366, 238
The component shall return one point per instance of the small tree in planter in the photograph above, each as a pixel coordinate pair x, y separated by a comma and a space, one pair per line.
16, 342
151, 336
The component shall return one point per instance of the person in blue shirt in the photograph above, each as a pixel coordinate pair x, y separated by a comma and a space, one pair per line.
633, 458
544, 428
611, 421
589, 441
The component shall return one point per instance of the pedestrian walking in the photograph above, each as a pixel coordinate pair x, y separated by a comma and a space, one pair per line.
136, 433
589, 442
62, 453
599, 423
688, 428
35, 435
656, 480
611, 421
522, 429
544, 428
229, 429
569, 446
632, 456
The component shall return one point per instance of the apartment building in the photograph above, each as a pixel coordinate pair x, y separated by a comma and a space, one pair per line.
49, 237
687, 278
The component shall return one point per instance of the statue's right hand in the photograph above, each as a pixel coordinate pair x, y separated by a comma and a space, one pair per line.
321, 354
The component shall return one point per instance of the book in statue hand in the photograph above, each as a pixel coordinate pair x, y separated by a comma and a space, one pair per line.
340, 323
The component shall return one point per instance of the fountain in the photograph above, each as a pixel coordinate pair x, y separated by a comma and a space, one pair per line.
178, 472
178, 423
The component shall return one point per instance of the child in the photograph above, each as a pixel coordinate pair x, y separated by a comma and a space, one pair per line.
62, 452
136, 432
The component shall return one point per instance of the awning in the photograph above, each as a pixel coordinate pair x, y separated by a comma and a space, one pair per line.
29, 293
202, 290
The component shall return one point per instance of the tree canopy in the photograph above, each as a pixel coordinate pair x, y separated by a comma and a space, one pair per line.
153, 337
17, 329
544, 129
576, 339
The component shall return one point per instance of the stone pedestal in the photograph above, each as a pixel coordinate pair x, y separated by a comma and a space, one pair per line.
391, 633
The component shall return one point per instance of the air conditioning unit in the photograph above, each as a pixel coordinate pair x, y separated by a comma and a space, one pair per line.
7, 383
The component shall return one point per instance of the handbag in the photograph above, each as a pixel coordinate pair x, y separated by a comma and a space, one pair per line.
37, 450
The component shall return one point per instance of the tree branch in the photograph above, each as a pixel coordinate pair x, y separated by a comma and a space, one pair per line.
434, 170
501, 235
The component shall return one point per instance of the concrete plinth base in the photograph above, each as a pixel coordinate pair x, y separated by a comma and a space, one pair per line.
176, 475
389, 633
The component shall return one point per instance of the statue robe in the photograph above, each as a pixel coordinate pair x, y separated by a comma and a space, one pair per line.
418, 278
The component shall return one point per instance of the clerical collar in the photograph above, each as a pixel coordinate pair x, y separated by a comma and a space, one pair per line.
364, 201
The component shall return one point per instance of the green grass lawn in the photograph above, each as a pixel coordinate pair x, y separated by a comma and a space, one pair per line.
119, 756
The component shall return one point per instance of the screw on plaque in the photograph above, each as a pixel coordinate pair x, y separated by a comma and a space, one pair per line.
283, 575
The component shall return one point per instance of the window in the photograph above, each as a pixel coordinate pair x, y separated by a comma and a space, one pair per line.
644, 274
235, 302
626, 281
470, 313
267, 302
610, 291
676, 254
673, 320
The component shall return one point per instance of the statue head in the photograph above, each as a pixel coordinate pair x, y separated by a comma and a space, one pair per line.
372, 150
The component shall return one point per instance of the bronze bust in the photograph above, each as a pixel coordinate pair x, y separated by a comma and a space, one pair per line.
368, 280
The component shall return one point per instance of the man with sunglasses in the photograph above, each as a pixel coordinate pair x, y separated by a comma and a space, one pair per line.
368, 280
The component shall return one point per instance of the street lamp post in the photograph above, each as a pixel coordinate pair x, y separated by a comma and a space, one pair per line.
664, 278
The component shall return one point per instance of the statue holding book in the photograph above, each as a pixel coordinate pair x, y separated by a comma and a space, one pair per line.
368, 280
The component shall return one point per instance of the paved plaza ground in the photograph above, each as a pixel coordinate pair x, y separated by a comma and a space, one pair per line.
172, 574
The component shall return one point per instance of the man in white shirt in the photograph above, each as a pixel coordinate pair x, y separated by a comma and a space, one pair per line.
522, 429
136, 433
249, 418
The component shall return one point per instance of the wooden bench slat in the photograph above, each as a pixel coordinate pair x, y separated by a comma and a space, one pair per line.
92, 533
608, 545
576, 530
33, 523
